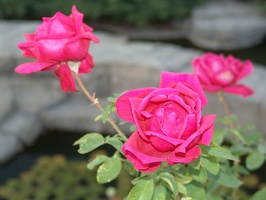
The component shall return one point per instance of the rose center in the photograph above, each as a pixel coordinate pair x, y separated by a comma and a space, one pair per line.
167, 119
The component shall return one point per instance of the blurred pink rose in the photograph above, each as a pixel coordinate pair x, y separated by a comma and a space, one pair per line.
59, 44
217, 73
168, 122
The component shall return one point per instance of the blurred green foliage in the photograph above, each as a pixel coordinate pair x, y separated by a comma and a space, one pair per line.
262, 5
54, 178
57, 178
133, 12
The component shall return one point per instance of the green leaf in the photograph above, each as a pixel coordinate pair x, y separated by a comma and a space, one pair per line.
106, 112
115, 142
143, 190
195, 191
210, 164
198, 175
213, 197
99, 159
253, 138
89, 142
241, 169
218, 136
195, 164
182, 174
221, 153
132, 128
97, 118
262, 147
109, 170
181, 188
159, 193
228, 180
129, 167
171, 182
261, 194
255, 160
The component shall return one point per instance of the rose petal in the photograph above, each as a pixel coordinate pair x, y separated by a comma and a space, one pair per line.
247, 69
86, 65
170, 79
242, 90
205, 124
65, 76
188, 157
123, 106
207, 127
143, 155
31, 67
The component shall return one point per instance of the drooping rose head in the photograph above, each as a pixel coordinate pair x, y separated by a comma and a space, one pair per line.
168, 121
60, 43
217, 73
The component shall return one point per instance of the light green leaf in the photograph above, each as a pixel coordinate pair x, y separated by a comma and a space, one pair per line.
115, 142
213, 197
255, 160
89, 142
198, 175
210, 164
253, 138
195, 164
261, 194
228, 180
170, 180
109, 170
99, 159
181, 188
159, 193
218, 136
262, 147
143, 190
221, 152
106, 112
132, 128
242, 170
195, 191
130, 168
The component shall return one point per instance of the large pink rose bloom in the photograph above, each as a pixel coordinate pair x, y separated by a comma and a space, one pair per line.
61, 43
168, 122
217, 73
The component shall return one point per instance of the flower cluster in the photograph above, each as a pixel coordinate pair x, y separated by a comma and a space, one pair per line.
172, 152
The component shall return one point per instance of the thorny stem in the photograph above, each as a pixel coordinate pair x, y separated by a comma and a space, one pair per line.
222, 99
97, 104
226, 108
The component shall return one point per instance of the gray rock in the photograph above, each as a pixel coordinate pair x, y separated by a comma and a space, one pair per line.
25, 127
34, 92
76, 114
9, 145
227, 25
7, 99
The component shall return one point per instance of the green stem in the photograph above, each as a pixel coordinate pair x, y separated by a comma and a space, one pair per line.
97, 104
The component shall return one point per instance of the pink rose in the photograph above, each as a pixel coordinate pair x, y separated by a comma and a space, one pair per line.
217, 73
61, 43
168, 122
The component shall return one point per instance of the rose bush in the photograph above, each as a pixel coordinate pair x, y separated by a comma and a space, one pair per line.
217, 72
61, 43
169, 125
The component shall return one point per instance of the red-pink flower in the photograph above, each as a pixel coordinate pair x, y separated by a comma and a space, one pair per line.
217, 73
168, 121
61, 43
